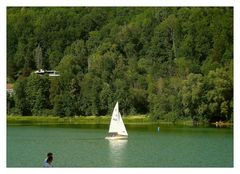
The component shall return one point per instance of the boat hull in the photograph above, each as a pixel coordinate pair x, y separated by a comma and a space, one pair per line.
117, 138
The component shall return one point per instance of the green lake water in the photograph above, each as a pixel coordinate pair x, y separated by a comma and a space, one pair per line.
85, 146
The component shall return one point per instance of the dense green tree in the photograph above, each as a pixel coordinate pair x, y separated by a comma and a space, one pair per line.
219, 94
171, 63
37, 93
106, 100
192, 96
165, 100
21, 103
38, 57
10, 103
91, 87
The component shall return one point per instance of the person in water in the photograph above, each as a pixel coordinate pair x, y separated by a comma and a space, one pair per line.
48, 160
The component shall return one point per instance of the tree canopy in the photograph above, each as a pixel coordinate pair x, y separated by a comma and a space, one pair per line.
168, 62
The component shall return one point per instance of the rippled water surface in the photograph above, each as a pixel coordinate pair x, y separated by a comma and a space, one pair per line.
85, 146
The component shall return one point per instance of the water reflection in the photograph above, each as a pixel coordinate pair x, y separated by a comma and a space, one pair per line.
116, 149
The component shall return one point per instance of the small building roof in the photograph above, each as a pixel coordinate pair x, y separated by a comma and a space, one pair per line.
9, 86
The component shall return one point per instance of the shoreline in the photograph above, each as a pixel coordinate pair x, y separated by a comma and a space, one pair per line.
128, 120
11, 120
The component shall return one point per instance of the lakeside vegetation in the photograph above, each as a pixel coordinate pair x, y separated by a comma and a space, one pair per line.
169, 63
128, 120
95, 120
75, 120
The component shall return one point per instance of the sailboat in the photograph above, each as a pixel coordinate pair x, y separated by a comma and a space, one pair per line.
117, 128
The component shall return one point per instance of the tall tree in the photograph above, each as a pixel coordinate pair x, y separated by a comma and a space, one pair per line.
192, 95
21, 103
39, 57
37, 93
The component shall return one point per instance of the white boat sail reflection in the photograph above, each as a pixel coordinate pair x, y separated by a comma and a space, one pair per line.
117, 149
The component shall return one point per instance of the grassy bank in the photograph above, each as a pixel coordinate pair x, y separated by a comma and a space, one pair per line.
140, 119
74, 120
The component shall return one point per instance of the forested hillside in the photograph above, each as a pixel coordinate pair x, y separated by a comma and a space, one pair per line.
169, 63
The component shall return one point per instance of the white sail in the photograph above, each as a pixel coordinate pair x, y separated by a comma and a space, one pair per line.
114, 120
122, 128
116, 124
